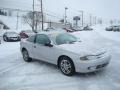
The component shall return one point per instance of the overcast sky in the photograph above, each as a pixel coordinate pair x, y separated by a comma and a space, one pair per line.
108, 9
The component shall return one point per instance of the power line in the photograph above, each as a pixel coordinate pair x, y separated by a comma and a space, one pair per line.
53, 16
56, 14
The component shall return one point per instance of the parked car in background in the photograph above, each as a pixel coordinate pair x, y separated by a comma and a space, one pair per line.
119, 28
87, 28
66, 51
110, 28
68, 30
53, 29
76, 28
116, 28
113, 28
49, 29
11, 36
26, 33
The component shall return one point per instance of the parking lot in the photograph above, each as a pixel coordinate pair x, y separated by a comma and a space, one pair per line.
15, 74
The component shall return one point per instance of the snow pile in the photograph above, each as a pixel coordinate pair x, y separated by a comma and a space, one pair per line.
88, 36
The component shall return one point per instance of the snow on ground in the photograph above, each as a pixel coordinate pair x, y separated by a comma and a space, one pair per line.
15, 74
108, 34
5, 52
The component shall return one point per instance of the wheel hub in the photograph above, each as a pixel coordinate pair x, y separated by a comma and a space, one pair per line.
65, 66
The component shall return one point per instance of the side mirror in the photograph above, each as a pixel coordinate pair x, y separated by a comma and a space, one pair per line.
48, 44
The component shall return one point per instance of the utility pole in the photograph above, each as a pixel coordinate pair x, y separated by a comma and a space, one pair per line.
82, 17
65, 16
42, 15
33, 16
90, 20
17, 20
95, 20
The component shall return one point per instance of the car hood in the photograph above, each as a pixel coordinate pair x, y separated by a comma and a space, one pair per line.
83, 48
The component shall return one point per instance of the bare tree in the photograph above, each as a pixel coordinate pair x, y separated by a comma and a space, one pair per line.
28, 18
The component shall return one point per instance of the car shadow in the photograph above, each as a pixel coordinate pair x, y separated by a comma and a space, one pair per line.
91, 74
56, 70
45, 64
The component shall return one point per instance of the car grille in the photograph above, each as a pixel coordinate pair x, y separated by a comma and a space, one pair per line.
13, 38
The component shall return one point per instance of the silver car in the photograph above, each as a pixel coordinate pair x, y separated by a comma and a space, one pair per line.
66, 51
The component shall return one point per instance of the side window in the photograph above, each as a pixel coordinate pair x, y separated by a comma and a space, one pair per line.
5, 33
31, 39
42, 39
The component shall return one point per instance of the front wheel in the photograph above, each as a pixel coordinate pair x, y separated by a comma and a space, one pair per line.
26, 56
5, 38
66, 66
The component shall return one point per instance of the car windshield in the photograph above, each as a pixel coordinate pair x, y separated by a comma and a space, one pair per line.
65, 38
11, 33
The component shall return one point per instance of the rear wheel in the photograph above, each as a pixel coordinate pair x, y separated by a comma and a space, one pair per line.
26, 56
66, 66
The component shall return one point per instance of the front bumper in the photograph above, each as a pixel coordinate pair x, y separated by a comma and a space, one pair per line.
92, 65
14, 38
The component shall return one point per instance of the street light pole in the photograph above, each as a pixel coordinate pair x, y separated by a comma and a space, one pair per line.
42, 15
90, 20
33, 16
82, 17
65, 16
17, 20
95, 20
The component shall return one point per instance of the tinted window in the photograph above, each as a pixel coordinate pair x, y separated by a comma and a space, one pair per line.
42, 39
31, 39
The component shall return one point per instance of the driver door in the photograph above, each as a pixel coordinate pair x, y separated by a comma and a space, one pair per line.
41, 51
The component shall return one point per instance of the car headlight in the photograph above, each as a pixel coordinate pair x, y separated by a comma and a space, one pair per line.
92, 57
89, 57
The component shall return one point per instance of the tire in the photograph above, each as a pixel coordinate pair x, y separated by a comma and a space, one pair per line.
66, 66
26, 56
4, 38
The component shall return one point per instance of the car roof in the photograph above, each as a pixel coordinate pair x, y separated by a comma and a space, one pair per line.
10, 32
